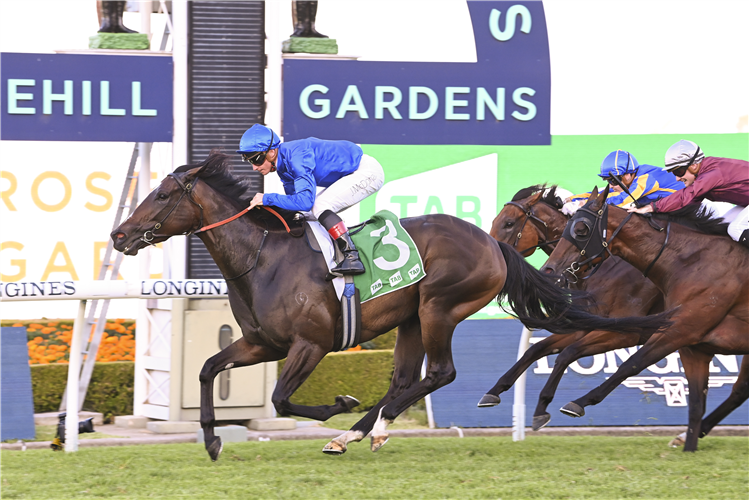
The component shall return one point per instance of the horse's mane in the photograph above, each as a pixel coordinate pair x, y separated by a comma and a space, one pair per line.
698, 217
549, 197
216, 171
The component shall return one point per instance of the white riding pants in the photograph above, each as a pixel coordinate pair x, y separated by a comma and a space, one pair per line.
739, 221
350, 190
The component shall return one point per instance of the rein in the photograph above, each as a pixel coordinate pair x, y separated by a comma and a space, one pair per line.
187, 190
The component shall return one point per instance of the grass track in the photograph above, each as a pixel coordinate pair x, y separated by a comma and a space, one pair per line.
430, 468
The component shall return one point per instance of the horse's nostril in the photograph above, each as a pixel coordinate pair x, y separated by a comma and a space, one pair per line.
118, 236
548, 270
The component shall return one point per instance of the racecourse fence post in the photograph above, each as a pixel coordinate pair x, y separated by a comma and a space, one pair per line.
518, 406
74, 371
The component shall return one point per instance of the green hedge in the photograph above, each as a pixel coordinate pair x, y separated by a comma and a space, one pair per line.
365, 375
110, 391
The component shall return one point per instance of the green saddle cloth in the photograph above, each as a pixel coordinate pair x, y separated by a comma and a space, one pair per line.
389, 255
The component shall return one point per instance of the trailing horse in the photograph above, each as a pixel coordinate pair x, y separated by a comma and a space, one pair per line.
285, 307
531, 220
704, 275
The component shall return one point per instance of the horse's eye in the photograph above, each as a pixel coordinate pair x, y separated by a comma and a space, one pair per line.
162, 196
509, 223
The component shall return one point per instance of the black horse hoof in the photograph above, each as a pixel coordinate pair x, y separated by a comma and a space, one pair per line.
572, 410
348, 401
214, 448
540, 421
489, 400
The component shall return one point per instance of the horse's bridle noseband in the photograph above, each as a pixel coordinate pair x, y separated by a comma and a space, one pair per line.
530, 215
597, 236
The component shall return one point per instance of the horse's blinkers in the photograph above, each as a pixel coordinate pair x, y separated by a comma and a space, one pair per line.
587, 231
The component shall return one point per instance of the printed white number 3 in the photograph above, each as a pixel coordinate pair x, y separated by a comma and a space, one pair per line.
389, 239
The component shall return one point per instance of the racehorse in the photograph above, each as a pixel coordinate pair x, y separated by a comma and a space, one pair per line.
285, 307
704, 275
531, 220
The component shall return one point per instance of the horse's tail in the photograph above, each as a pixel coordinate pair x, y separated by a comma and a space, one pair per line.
539, 303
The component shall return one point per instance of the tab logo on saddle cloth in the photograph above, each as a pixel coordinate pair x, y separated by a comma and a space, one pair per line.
389, 255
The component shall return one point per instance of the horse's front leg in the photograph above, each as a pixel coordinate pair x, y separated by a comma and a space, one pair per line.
240, 353
302, 359
552, 344
408, 357
595, 342
656, 348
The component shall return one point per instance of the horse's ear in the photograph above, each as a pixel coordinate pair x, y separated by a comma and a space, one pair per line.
535, 198
193, 173
594, 193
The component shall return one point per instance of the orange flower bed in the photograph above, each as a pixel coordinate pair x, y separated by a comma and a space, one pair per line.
49, 341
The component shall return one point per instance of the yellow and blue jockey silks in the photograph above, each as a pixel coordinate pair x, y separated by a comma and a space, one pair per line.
649, 184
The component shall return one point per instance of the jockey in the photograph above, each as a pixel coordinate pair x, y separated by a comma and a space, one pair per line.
645, 183
717, 179
340, 167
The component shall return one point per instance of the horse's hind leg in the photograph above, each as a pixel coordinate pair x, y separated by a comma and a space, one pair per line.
240, 353
302, 359
552, 344
436, 336
739, 394
697, 370
407, 359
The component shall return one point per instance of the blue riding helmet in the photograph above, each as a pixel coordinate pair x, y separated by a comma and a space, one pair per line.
618, 163
258, 138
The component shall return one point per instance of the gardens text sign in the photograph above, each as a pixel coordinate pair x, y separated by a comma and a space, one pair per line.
69, 97
502, 99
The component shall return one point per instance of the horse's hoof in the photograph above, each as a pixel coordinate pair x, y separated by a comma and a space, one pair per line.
489, 400
214, 448
334, 448
572, 410
540, 421
349, 402
378, 442
678, 441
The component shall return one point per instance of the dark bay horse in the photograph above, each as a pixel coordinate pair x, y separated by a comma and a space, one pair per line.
286, 308
704, 276
533, 220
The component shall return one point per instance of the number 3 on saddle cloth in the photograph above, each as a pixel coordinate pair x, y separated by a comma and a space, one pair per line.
391, 261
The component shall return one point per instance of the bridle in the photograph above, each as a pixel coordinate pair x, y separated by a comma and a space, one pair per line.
187, 191
528, 216
595, 241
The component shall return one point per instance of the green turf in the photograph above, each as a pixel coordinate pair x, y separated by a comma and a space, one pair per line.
540, 467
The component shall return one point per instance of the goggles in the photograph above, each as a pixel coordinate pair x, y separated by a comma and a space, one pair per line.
680, 171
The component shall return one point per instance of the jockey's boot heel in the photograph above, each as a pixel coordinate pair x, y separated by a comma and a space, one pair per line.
351, 264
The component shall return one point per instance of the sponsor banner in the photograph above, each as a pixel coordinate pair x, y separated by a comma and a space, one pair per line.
502, 98
91, 290
73, 97
483, 350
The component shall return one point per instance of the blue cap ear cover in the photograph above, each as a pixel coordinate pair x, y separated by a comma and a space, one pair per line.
258, 138
618, 163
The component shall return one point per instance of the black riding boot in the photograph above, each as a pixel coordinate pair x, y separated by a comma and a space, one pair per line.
744, 238
110, 17
351, 265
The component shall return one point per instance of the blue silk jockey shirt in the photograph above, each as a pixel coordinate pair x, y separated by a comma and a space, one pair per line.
305, 164
650, 184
